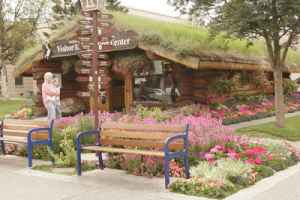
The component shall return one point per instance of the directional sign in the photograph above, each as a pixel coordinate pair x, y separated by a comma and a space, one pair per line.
83, 94
104, 16
85, 39
86, 47
88, 55
101, 16
86, 32
104, 24
86, 27
64, 48
102, 63
82, 79
83, 71
89, 24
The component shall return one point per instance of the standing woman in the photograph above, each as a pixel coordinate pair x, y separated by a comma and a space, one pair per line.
49, 94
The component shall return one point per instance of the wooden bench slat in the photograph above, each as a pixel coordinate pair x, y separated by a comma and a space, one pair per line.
14, 139
24, 133
22, 126
139, 143
15, 132
135, 135
27, 122
142, 127
127, 151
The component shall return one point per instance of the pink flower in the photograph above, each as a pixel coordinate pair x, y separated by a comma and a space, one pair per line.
216, 149
270, 157
234, 155
209, 156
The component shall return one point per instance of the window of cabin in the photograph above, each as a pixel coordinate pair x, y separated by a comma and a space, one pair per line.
156, 86
19, 81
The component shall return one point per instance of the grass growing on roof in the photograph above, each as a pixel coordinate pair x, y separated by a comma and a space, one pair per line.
291, 131
64, 31
190, 40
185, 37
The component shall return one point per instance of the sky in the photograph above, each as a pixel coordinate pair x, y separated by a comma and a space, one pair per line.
158, 6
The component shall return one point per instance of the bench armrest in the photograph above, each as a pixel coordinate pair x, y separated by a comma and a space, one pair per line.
36, 130
87, 133
183, 137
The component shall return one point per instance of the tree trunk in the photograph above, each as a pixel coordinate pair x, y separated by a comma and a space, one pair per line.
279, 97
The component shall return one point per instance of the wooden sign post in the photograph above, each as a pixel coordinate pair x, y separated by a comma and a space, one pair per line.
98, 37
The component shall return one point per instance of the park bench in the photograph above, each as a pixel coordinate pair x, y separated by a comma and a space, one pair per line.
168, 142
26, 132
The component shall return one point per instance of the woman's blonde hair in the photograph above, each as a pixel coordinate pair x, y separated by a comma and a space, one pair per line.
48, 76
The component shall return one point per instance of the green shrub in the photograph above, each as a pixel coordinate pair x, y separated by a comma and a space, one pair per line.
114, 161
234, 168
134, 166
222, 170
263, 171
222, 86
199, 187
277, 164
156, 113
67, 156
289, 87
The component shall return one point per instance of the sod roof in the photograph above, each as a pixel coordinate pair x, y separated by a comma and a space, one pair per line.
182, 43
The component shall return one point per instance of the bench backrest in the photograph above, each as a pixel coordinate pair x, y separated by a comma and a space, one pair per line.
20, 128
139, 136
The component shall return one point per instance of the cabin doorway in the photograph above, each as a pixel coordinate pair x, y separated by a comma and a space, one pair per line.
117, 94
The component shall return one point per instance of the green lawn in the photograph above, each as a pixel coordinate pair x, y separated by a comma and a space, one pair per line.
9, 106
291, 131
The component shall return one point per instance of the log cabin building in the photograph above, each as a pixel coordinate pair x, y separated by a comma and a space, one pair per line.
143, 67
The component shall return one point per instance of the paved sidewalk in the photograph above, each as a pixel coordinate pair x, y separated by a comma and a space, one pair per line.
19, 183
261, 121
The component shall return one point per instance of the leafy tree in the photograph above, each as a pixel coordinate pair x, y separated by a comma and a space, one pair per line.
277, 21
19, 20
64, 10
115, 5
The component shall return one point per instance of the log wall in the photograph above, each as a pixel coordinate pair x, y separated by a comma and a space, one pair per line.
196, 85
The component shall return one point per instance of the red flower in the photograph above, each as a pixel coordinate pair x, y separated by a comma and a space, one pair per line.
250, 161
258, 161
256, 151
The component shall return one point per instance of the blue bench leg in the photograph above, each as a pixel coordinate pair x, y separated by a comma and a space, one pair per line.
78, 161
29, 151
166, 172
186, 166
100, 159
2, 147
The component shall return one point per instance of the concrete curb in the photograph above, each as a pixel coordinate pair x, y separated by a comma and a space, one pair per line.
265, 184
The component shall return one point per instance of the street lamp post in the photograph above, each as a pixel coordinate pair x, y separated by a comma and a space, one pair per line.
93, 7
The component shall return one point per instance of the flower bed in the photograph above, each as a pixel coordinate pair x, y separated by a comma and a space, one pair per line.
221, 162
252, 109
225, 169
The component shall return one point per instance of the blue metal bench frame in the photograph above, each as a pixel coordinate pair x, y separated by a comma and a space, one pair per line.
184, 154
30, 142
